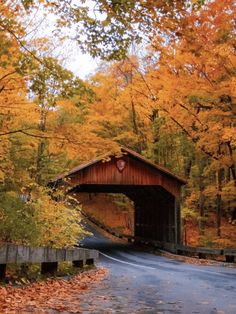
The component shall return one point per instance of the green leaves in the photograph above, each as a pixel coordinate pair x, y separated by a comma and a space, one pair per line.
27, 3
18, 220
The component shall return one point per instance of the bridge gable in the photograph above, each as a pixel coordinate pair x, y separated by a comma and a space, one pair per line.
130, 169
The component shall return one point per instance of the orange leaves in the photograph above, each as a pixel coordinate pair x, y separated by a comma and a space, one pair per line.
196, 77
53, 294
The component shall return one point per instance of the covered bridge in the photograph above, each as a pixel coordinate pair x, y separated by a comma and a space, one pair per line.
154, 190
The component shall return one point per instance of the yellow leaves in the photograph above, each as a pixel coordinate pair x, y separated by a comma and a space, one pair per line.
2, 215
59, 225
224, 50
2, 176
195, 85
233, 90
229, 135
123, 106
43, 44
188, 214
229, 192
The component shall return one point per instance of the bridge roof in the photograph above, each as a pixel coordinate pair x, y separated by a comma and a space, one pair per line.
124, 151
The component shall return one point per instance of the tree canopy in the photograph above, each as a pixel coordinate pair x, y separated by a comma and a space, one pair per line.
175, 103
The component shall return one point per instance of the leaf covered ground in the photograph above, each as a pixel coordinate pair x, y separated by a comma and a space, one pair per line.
50, 296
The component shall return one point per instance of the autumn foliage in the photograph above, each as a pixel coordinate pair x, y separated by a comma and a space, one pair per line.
177, 106
172, 100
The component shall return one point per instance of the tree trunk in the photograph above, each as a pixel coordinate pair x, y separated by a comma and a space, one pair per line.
187, 168
220, 174
202, 213
232, 166
134, 118
201, 201
41, 146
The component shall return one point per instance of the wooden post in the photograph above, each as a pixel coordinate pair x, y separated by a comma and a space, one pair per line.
177, 221
79, 264
202, 255
49, 268
3, 271
137, 220
89, 261
229, 258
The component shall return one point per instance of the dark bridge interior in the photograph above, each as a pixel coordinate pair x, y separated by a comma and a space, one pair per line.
154, 208
154, 190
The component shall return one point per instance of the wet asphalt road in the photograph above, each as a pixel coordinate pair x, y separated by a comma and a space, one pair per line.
140, 282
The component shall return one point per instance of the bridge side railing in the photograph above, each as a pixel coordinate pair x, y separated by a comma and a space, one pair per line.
203, 252
47, 257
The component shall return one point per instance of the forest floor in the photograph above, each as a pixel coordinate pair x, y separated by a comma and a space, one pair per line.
53, 295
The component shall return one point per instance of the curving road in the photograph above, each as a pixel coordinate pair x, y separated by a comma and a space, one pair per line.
141, 282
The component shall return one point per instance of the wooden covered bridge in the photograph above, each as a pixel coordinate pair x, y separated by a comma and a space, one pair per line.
154, 190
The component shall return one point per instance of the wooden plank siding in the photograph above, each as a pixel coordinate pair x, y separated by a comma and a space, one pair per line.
135, 173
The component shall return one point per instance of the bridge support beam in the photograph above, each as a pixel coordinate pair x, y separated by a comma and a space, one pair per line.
3, 271
89, 261
177, 221
49, 268
78, 264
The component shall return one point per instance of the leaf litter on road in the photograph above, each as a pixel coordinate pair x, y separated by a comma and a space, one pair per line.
43, 297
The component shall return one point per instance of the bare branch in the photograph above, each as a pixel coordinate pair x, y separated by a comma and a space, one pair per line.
6, 75
13, 132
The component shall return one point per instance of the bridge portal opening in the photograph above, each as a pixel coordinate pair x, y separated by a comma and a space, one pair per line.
112, 210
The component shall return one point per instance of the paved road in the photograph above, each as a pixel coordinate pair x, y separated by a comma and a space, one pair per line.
140, 282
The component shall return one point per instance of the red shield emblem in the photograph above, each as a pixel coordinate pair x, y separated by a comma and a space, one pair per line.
120, 164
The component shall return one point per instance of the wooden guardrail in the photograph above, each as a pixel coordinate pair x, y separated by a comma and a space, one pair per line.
230, 255
202, 252
48, 257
